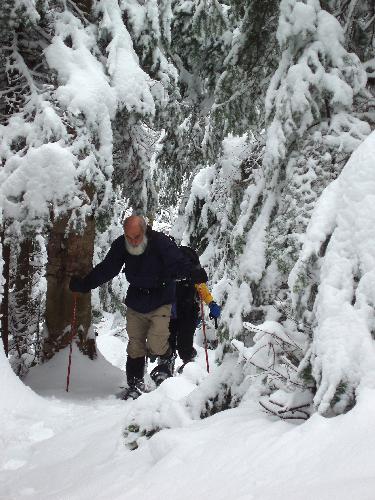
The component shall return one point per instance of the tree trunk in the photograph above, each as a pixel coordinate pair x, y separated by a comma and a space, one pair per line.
20, 307
84, 5
4, 307
68, 255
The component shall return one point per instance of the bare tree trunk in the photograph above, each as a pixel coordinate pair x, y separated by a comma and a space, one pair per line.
67, 256
4, 307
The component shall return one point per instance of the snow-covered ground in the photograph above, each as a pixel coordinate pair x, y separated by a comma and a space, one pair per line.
71, 446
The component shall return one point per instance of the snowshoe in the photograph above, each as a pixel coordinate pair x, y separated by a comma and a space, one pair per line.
180, 369
134, 390
164, 369
160, 373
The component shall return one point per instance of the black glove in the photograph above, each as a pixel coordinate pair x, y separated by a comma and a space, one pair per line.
199, 275
77, 284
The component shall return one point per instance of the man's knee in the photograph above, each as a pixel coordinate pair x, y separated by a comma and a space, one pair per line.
158, 345
136, 348
157, 339
137, 326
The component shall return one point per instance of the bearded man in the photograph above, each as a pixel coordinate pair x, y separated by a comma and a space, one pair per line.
152, 262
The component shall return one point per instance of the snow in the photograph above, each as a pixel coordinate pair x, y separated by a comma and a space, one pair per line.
343, 348
89, 378
14, 395
60, 445
85, 87
131, 83
33, 176
314, 62
29, 6
86, 443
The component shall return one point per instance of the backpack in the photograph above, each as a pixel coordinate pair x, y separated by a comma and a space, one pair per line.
191, 254
187, 297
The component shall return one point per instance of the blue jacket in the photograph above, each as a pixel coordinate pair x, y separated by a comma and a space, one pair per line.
150, 275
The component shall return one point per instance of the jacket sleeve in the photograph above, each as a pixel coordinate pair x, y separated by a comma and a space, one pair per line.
204, 292
109, 267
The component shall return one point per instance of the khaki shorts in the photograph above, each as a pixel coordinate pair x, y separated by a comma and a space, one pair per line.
148, 332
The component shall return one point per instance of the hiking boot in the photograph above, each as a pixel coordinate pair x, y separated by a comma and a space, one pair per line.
186, 360
164, 369
135, 388
191, 357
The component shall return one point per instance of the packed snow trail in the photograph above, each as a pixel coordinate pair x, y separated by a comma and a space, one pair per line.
70, 446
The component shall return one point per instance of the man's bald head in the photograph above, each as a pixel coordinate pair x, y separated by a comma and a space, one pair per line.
135, 234
134, 222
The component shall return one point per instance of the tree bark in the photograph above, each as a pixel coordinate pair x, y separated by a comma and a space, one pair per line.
83, 7
68, 255
4, 307
20, 311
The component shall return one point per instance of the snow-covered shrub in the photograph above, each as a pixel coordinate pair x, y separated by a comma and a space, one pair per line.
221, 390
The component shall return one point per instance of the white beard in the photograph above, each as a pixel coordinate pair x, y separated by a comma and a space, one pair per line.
136, 250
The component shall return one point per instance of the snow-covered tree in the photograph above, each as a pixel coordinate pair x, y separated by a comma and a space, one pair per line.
200, 40
338, 256
313, 105
76, 134
25, 87
251, 59
314, 122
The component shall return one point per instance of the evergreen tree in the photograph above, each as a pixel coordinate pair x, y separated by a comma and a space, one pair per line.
251, 59
142, 30
24, 83
80, 77
312, 105
314, 122
200, 38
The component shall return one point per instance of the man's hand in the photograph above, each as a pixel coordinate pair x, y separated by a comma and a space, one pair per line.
77, 284
215, 310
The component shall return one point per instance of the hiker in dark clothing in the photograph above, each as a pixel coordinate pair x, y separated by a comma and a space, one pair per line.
152, 262
186, 311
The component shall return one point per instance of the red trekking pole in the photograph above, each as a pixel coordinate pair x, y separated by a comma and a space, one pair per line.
73, 327
204, 334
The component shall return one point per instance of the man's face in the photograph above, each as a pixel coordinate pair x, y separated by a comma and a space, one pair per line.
135, 239
134, 235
